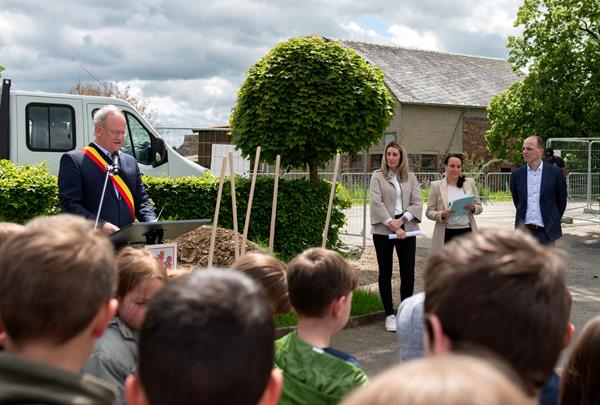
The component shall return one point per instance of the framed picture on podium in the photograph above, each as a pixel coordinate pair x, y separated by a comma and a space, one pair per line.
166, 253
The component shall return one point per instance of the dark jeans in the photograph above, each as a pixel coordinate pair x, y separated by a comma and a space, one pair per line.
452, 233
541, 236
405, 249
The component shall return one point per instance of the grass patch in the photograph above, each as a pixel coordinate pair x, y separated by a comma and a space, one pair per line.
363, 302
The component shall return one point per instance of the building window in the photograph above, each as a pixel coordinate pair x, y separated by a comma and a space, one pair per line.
428, 162
50, 127
413, 161
376, 161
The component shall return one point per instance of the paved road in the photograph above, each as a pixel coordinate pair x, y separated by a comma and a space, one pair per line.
377, 350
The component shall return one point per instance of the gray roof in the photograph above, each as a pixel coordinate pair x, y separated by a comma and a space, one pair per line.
428, 77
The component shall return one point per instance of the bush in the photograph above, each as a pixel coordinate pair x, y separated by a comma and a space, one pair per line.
301, 208
26, 192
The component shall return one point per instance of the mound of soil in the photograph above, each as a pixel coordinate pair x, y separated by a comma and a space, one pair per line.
192, 247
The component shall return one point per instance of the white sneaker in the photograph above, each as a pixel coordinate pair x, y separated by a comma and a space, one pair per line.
390, 323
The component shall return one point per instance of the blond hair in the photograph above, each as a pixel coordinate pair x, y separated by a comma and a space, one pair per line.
450, 379
136, 266
270, 273
402, 172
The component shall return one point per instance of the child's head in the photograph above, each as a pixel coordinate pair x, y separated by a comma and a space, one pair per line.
450, 379
141, 276
208, 338
8, 229
503, 291
579, 379
56, 274
270, 273
317, 277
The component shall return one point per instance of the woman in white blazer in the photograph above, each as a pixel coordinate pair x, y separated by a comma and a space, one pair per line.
396, 208
453, 186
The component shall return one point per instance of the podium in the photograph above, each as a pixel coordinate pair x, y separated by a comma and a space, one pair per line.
151, 233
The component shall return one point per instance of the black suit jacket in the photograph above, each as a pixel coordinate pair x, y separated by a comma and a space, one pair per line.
80, 183
553, 197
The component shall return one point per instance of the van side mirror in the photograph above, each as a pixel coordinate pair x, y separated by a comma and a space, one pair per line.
159, 152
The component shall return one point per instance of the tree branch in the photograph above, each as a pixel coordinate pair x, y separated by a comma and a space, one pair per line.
586, 28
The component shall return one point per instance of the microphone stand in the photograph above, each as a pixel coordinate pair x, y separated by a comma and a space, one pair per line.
111, 170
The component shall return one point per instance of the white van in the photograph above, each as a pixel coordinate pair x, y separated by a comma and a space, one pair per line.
36, 127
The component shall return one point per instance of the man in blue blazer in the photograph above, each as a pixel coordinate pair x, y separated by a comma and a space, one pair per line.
82, 174
539, 192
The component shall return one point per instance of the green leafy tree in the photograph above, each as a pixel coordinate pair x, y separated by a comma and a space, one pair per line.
1, 69
308, 99
560, 95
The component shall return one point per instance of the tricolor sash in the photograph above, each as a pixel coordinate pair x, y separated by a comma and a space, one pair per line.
97, 157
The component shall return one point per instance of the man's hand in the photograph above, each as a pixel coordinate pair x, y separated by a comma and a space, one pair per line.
109, 228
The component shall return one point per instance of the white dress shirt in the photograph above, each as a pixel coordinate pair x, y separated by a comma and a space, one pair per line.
534, 182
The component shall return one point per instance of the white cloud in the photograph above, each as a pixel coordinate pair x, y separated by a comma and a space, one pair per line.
188, 59
356, 32
411, 38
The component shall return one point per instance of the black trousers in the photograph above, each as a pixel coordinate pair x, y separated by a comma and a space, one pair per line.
452, 233
405, 249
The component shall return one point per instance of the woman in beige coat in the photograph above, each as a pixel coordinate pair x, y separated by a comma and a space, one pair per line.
395, 208
453, 186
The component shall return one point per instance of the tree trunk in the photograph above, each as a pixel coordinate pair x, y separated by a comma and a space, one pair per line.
314, 172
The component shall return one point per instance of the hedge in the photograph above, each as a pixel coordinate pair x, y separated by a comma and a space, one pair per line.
301, 208
26, 191
29, 191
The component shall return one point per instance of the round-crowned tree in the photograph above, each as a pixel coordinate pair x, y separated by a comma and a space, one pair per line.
308, 99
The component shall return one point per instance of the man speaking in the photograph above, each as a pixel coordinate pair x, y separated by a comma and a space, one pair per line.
82, 175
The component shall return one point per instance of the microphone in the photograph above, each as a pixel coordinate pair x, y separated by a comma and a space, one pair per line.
116, 166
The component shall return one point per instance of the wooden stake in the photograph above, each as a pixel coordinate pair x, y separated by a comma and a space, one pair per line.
274, 207
236, 241
250, 197
216, 217
331, 195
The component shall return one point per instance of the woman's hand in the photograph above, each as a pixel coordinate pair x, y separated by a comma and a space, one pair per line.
396, 223
401, 234
446, 214
470, 207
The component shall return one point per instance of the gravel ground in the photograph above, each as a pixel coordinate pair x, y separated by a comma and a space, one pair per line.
367, 266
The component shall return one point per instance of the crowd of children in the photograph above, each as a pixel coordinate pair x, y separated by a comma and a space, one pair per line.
80, 324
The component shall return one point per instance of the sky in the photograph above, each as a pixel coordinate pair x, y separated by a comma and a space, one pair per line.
188, 59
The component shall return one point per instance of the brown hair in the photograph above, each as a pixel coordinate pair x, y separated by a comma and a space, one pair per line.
402, 166
316, 277
452, 379
207, 339
503, 291
459, 156
270, 274
136, 266
579, 379
54, 276
8, 229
